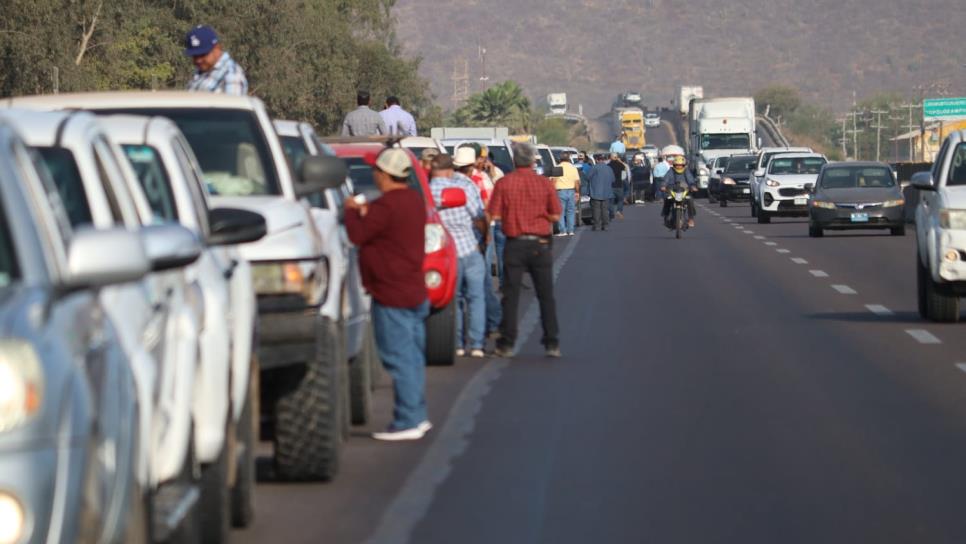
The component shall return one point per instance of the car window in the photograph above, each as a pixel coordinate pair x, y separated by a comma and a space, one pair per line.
501, 157
796, 165
154, 181
957, 166
295, 151
546, 156
230, 146
63, 169
940, 159
849, 177
725, 141
31, 166
9, 267
741, 165
361, 175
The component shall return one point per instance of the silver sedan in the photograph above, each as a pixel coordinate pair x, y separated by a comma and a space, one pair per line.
856, 195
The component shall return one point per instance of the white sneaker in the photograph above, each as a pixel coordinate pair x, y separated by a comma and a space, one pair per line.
403, 434
425, 426
477, 354
461, 352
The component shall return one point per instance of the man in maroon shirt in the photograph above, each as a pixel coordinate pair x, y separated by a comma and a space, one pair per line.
389, 233
528, 206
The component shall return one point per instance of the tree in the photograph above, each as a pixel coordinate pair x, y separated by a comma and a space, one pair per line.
503, 104
779, 100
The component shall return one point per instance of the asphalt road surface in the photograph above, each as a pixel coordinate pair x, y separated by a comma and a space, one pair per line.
743, 384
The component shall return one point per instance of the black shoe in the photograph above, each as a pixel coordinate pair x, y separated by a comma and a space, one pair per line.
503, 352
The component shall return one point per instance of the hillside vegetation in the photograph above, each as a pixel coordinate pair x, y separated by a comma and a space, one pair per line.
593, 49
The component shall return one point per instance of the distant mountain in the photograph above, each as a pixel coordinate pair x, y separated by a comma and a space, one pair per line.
594, 49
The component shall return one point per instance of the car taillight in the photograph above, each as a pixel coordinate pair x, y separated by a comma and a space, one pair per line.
435, 237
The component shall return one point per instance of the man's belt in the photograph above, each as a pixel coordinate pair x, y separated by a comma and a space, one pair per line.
531, 237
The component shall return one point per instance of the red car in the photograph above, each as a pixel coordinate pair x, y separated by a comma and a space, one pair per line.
440, 265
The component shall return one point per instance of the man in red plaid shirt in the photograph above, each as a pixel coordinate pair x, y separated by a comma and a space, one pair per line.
527, 205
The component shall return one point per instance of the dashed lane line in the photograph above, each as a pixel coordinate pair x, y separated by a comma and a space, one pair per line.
818, 273
923, 336
771, 244
759, 237
961, 366
783, 251
845, 290
879, 310
799, 260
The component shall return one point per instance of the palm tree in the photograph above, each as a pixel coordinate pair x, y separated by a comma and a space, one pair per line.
502, 104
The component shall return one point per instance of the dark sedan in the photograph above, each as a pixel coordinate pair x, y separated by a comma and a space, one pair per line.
733, 184
856, 195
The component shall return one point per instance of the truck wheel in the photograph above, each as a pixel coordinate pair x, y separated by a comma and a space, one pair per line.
308, 416
215, 504
763, 217
441, 336
360, 380
243, 492
941, 305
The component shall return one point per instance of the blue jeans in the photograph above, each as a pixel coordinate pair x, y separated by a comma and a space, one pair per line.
499, 243
617, 201
567, 204
494, 309
401, 339
471, 309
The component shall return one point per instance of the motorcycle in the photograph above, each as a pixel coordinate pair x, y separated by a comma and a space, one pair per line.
677, 217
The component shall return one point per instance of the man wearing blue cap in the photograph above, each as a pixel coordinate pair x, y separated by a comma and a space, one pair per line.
215, 70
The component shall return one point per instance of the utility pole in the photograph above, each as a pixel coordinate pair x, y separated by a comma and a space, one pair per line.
844, 139
878, 131
484, 78
855, 134
909, 126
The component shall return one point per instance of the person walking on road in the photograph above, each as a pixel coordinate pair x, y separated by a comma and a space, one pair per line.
390, 235
618, 147
215, 70
601, 182
467, 224
363, 121
399, 121
640, 179
527, 205
620, 180
568, 191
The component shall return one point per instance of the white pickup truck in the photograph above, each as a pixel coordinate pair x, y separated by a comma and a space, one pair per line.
941, 232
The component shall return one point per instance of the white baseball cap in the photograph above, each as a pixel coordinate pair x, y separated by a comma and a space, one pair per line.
464, 156
395, 162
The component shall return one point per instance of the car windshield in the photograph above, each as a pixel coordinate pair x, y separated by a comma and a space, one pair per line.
295, 151
796, 165
849, 177
741, 164
9, 268
721, 162
725, 141
957, 168
154, 181
361, 175
229, 145
63, 169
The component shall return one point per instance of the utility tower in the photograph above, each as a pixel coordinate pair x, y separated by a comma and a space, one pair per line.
461, 82
484, 78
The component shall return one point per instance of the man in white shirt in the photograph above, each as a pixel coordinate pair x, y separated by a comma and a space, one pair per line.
398, 121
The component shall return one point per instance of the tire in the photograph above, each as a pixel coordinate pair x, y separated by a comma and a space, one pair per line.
815, 231
678, 224
754, 208
360, 381
441, 336
898, 231
243, 492
939, 304
922, 275
215, 509
763, 217
711, 198
308, 416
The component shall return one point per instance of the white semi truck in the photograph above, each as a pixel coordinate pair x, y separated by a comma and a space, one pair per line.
557, 103
686, 94
721, 127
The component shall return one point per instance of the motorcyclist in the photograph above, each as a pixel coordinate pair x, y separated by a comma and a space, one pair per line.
679, 175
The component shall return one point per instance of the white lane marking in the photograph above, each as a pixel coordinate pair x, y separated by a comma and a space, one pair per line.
845, 290
879, 310
416, 496
749, 232
771, 244
818, 273
923, 336
799, 260
961, 366
783, 251
759, 237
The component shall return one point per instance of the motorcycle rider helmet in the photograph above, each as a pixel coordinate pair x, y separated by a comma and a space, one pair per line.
679, 163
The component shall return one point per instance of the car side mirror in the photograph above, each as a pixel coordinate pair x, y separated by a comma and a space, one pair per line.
101, 257
923, 181
170, 246
718, 171
452, 197
760, 173
231, 226
553, 172
318, 173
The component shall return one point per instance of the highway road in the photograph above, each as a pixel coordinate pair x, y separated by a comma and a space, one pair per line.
743, 384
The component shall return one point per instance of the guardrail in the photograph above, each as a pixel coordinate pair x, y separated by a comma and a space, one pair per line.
773, 131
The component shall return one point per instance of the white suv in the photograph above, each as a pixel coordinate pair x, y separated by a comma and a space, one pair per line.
304, 369
758, 175
785, 188
941, 232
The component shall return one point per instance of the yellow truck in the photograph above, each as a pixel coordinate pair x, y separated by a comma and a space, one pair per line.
629, 123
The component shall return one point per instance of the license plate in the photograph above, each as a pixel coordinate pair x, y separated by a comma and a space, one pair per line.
860, 218
801, 201
746, 191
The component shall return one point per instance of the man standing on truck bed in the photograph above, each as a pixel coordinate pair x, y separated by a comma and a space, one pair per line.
215, 70
399, 121
363, 121
390, 236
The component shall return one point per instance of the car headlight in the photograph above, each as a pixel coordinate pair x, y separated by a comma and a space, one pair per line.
435, 237
772, 183
952, 219
823, 204
893, 203
291, 278
12, 519
728, 181
702, 171
21, 383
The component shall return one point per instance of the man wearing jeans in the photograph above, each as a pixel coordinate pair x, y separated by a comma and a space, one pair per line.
467, 225
568, 190
600, 181
527, 205
390, 235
